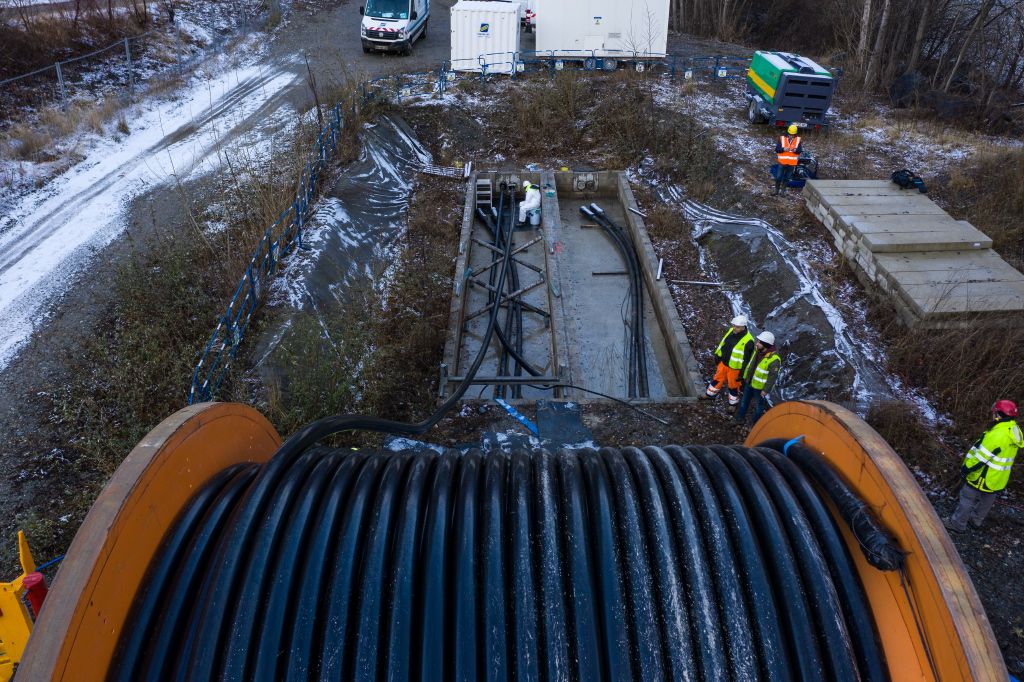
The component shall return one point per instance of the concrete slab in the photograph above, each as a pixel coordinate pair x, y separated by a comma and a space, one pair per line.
909, 202
948, 262
933, 267
896, 242
574, 331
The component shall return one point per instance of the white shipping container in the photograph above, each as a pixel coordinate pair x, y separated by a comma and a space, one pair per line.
574, 28
485, 29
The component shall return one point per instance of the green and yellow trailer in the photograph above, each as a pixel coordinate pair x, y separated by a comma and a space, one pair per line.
784, 88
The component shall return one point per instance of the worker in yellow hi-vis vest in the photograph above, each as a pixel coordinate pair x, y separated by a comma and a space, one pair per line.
986, 468
760, 377
731, 358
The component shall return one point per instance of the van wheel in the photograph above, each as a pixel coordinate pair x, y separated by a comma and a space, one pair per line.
754, 112
366, 50
426, 25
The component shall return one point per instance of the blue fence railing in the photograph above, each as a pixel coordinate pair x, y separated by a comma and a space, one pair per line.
285, 235
280, 239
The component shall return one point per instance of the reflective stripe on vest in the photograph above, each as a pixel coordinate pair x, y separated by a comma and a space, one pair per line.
788, 155
736, 357
989, 462
761, 372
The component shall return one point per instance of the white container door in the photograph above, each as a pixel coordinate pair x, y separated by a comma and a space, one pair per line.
484, 33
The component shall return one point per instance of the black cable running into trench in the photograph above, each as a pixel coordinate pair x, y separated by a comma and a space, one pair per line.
682, 562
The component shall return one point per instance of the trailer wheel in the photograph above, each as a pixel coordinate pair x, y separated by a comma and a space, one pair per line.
754, 112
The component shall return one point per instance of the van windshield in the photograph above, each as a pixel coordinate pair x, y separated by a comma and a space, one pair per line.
387, 9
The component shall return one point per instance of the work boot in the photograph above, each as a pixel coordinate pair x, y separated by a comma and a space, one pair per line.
948, 523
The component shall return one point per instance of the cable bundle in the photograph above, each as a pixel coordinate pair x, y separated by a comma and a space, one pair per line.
675, 563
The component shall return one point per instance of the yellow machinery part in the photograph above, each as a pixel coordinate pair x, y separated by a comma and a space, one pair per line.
15, 620
930, 620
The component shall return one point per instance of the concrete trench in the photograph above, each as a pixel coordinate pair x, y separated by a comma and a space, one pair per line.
581, 337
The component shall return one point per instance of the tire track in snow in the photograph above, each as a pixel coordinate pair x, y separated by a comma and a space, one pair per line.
59, 228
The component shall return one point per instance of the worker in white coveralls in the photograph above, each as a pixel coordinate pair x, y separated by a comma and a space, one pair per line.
531, 202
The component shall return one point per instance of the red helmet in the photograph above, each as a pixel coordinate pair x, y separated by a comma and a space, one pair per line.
1007, 408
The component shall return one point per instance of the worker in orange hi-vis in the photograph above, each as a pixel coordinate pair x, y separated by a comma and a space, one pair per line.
732, 354
787, 151
986, 468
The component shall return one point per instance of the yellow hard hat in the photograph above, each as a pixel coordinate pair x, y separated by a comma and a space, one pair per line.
792, 130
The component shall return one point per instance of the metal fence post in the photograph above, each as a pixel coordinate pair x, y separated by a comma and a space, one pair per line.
131, 75
177, 45
63, 91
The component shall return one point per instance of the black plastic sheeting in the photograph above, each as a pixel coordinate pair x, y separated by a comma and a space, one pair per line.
674, 563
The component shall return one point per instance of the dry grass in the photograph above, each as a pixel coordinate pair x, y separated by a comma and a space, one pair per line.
402, 373
988, 191
26, 143
34, 141
900, 424
962, 370
32, 41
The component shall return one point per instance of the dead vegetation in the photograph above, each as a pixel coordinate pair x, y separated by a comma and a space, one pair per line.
610, 120
34, 38
401, 375
988, 191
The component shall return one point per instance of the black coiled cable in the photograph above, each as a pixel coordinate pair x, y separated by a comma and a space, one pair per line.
671, 563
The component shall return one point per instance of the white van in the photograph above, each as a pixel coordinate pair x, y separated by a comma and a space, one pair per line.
393, 25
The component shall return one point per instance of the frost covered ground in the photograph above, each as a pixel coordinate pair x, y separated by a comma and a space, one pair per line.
50, 234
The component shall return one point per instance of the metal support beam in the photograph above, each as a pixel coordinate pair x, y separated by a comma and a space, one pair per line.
503, 301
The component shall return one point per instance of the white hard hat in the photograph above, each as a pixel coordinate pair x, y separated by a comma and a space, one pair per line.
739, 321
526, 184
766, 337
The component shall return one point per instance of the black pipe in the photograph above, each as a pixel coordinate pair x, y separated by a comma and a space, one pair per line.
173, 578
633, 564
638, 347
856, 611
506, 344
708, 472
822, 597
631, 361
879, 547
803, 641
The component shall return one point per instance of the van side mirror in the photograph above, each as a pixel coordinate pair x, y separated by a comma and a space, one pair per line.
415, 15
361, 10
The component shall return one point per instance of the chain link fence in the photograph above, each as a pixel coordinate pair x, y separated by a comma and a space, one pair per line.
121, 67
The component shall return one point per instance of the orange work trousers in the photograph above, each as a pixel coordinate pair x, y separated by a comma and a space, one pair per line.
725, 376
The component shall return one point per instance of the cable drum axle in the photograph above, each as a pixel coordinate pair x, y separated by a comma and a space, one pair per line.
674, 563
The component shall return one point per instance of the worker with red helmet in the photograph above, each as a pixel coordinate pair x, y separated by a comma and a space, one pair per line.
986, 469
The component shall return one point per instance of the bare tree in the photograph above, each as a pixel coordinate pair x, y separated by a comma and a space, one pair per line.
871, 75
986, 7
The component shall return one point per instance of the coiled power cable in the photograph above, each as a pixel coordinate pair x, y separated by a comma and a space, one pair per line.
674, 563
